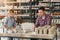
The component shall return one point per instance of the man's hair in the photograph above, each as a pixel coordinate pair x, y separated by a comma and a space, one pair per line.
42, 8
11, 10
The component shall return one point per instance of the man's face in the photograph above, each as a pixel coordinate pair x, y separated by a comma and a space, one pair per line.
41, 12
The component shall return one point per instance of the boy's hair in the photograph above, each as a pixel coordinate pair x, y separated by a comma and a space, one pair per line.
42, 8
11, 10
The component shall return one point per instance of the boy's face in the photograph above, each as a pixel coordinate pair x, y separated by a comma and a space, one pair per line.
11, 14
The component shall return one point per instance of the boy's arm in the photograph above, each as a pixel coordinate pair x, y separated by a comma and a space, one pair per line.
5, 23
5, 26
14, 25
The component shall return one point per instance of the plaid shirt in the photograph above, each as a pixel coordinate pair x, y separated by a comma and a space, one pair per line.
42, 22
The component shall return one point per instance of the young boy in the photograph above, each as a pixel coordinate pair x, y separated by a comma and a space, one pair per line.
10, 22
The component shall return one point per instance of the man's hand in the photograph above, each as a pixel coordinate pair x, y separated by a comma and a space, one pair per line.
34, 28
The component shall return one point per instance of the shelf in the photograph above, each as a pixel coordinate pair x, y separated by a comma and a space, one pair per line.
22, 1
5, 8
12, 2
21, 8
48, 2
17, 2
35, 8
44, 2
56, 5
56, 15
22, 15
56, 10
25, 6
16, 15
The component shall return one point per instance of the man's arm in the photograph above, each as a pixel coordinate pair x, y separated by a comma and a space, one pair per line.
48, 20
37, 22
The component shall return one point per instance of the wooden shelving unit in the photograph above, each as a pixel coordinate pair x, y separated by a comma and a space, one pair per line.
30, 7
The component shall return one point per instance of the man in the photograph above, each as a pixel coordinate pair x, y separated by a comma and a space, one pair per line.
10, 22
43, 19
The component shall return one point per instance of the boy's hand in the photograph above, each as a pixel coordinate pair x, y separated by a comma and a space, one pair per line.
12, 28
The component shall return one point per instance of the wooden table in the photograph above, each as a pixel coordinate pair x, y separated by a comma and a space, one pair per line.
27, 36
